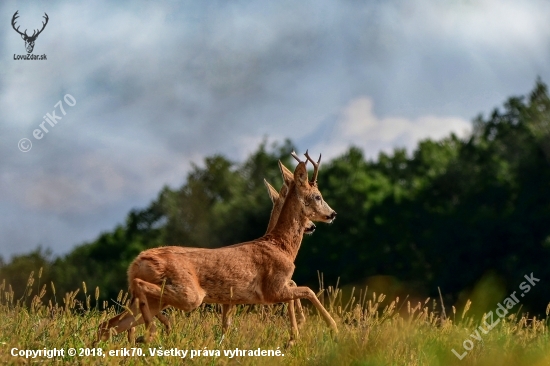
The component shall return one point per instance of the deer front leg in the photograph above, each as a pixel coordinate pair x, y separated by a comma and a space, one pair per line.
303, 292
293, 326
300, 318
227, 313
294, 334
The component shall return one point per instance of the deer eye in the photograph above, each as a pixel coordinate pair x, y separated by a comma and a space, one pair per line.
318, 198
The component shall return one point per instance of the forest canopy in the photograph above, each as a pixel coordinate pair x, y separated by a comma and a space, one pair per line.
468, 215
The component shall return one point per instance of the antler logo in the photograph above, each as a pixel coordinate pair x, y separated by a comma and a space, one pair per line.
29, 40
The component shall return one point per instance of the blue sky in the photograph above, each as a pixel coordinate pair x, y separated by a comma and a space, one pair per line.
160, 85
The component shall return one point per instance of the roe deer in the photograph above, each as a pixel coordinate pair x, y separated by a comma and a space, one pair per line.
254, 272
277, 199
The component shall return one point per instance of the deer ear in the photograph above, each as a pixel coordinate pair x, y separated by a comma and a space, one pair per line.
300, 176
288, 177
273, 194
283, 192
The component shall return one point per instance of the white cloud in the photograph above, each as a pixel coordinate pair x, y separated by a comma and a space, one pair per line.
160, 85
358, 125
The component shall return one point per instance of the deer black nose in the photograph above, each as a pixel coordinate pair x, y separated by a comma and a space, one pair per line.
310, 229
332, 216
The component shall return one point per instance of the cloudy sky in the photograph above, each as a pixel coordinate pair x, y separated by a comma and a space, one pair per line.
159, 85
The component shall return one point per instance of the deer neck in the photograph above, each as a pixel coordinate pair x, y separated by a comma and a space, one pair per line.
289, 229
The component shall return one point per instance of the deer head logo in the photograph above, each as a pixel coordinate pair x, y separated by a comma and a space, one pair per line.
29, 40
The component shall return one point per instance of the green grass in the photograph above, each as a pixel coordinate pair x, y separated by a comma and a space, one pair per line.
372, 331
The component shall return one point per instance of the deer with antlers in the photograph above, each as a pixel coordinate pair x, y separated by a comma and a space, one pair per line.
255, 272
29, 40
297, 318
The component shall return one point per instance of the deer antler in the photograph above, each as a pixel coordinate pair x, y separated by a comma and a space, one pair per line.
34, 34
15, 16
315, 166
293, 153
43, 25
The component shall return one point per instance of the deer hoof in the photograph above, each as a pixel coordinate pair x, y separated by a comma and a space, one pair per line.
291, 343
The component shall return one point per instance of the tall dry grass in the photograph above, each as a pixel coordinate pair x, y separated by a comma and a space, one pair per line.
373, 330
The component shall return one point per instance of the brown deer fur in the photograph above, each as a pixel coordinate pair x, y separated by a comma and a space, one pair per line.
255, 272
277, 199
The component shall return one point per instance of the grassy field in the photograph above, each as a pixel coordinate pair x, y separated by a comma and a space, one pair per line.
373, 330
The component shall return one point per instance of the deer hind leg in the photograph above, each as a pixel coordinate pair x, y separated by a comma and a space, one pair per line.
119, 323
141, 289
141, 339
153, 298
166, 322
163, 319
132, 335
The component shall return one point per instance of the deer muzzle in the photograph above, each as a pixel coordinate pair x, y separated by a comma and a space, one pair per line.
310, 229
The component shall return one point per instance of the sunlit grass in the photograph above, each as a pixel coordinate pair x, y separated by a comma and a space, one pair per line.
373, 330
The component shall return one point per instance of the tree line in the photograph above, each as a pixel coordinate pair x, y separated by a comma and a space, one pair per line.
468, 215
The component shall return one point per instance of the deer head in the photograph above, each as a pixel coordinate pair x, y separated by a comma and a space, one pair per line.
29, 40
278, 200
314, 207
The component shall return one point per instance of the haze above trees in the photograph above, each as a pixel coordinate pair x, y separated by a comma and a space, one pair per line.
454, 214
